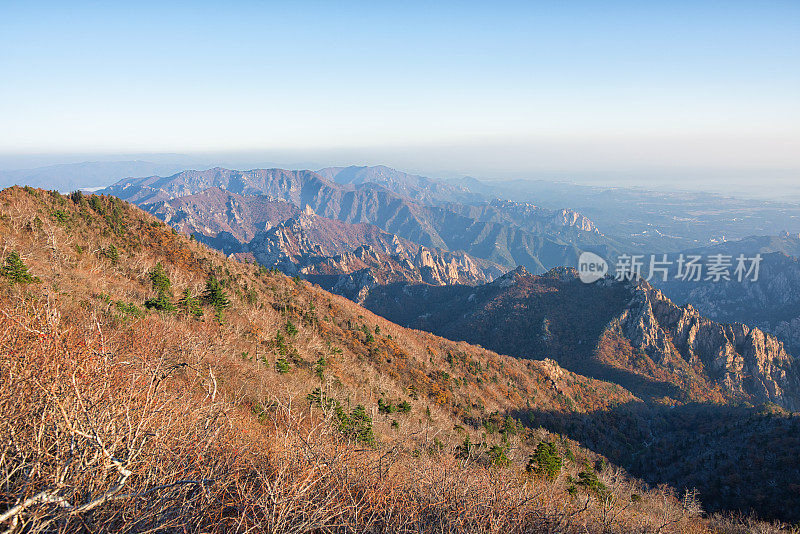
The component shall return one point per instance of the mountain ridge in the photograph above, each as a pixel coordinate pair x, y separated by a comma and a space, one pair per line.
499, 241
254, 386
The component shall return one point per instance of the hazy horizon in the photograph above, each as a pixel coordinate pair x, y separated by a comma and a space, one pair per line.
775, 184
699, 94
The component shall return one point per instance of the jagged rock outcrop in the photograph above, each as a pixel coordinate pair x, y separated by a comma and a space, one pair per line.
575, 220
745, 361
323, 249
531, 216
771, 302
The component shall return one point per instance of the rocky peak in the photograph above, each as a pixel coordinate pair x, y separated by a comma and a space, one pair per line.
553, 371
574, 219
527, 212
745, 361
511, 277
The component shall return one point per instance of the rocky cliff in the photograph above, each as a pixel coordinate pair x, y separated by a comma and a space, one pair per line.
744, 361
351, 259
771, 302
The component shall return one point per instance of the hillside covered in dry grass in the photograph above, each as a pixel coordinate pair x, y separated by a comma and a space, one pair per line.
150, 384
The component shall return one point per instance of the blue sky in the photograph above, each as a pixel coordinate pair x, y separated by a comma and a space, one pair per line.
512, 86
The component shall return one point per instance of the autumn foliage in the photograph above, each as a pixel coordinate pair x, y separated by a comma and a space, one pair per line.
114, 417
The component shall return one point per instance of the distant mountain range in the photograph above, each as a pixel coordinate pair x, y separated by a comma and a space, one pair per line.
418, 188
653, 220
500, 232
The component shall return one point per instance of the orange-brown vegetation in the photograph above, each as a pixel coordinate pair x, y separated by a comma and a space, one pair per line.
118, 418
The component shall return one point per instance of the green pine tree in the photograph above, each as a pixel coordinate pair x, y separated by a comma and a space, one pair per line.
319, 368
282, 366
16, 271
216, 297
190, 304
163, 288
588, 479
357, 425
160, 280
545, 460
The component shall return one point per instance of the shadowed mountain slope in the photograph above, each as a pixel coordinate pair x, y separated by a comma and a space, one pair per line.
627, 332
711, 390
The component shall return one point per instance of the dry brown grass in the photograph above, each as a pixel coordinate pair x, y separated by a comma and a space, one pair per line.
110, 422
124, 440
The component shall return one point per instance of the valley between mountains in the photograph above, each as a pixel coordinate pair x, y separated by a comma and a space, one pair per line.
370, 350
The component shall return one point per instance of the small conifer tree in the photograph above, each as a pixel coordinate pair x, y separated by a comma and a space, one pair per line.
190, 304
163, 288
216, 297
386, 407
16, 271
357, 425
588, 478
291, 329
319, 368
160, 279
545, 460
282, 366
